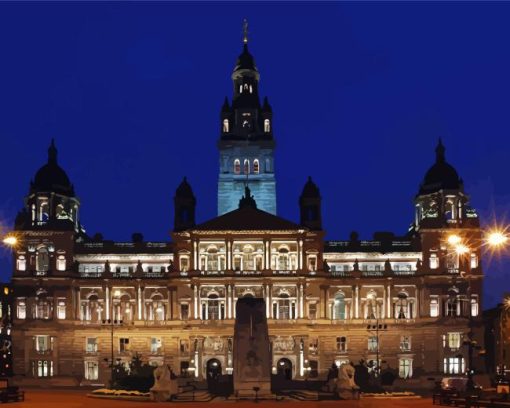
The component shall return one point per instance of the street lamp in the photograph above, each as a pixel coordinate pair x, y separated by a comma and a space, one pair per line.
112, 323
377, 328
505, 308
10, 240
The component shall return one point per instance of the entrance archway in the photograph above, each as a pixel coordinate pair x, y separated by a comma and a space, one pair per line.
284, 368
213, 373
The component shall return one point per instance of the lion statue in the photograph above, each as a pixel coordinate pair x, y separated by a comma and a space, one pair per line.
346, 388
164, 385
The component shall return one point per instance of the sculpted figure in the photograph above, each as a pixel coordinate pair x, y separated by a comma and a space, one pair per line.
345, 385
164, 385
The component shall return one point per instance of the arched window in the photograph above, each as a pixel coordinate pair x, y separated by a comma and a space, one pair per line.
401, 307
246, 86
226, 127
240, 89
267, 126
251, 89
43, 212
256, 166
434, 307
61, 263
246, 166
371, 306
339, 307
433, 261
43, 260
283, 259
215, 308
157, 308
237, 166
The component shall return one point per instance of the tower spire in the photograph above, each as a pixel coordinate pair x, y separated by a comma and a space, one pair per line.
440, 149
52, 152
245, 31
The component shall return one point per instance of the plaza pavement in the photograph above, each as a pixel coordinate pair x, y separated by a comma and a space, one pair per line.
78, 399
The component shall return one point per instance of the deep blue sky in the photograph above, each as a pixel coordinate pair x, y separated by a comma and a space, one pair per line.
360, 93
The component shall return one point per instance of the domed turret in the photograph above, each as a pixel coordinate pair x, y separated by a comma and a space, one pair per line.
51, 178
441, 176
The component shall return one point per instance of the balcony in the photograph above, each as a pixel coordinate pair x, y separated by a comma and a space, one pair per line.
341, 274
90, 274
404, 273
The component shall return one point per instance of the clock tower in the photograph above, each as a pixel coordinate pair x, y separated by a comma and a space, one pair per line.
246, 143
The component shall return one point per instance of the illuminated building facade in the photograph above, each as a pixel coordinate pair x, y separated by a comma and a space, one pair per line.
174, 302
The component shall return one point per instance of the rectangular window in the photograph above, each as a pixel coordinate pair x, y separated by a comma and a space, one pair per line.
123, 344
21, 263
434, 261
372, 343
184, 346
312, 311
454, 340
405, 343
21, 310
156, 345
184, 311
405, 368
43, 368
434, 307
91, 370
91, 345
341, 344
42, 343
61, 309
453, 365
474, 306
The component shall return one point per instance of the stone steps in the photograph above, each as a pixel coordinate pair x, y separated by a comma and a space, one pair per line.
190, 396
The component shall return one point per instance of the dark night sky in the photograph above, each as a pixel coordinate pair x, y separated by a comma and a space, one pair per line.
360, 93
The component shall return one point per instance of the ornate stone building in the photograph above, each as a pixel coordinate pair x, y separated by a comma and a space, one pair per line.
408, 301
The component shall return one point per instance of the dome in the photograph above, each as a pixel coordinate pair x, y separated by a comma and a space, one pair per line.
51, 177
184, 189
245, 60
310, 190
441, 176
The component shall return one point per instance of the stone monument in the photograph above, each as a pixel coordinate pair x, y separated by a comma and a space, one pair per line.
164, 385
252, 356
346, 388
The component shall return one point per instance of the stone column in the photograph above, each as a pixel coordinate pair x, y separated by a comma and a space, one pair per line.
266, 295
300, 254
356, 302
302, 302
78, 301
229, 254
139, 295
270, 289
388, 314
195, 300
196, 265
417, 303
107, 303
228, 297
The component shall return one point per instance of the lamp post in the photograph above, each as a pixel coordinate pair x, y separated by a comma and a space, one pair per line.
112, 323
505, 308
371, 328
495, 239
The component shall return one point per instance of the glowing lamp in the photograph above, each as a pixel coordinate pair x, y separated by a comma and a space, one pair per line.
454, 239
461, 249
10, 240
497, 239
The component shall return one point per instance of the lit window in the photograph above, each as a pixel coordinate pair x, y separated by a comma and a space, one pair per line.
123, 344
237, 166
474, 306
226, 127
91, 346
434, 261
42, 368
474, 261
21, 263
43, 343
21, 311
246, 166
61, 263
454, 340
405, 368
267, 126
156, 345
61, 309
405, 343
372, 343
339, 307
341, 344
453, 365
184, 311
91, 370
434, 307
184, 261
256, 167
452, 307
42, 260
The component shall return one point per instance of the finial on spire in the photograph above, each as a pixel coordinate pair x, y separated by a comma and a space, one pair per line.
52, 152
440, 149
245, 31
